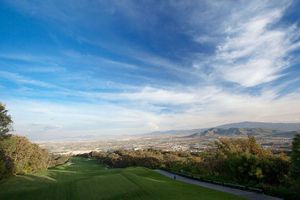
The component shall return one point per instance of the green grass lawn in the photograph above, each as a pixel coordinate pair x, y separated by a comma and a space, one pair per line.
86, 179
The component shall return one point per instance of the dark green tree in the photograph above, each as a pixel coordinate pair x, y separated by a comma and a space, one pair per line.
5, 120
296, 157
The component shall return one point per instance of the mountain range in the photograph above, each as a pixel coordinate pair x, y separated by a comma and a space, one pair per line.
240, 129
257, 132
264, 125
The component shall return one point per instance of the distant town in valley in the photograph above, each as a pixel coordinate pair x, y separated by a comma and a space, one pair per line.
276, 136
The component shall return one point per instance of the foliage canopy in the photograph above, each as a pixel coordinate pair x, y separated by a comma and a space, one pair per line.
5, 120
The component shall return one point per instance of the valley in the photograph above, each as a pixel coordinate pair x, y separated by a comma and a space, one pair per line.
269, 135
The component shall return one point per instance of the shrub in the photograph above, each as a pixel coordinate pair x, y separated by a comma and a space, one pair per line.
20, 156
295, 172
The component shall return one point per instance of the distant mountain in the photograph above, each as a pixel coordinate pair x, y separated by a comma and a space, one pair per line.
232, 132
238, 129
289, 134
264, 125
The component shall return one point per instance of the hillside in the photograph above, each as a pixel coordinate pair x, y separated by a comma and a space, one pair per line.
239, 129
263, 125
232, 132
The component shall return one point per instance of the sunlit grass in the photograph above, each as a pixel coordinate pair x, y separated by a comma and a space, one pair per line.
86, 179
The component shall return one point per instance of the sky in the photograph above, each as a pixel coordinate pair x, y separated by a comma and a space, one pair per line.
76, 68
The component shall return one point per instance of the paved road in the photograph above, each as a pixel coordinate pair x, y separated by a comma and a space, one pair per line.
246, 194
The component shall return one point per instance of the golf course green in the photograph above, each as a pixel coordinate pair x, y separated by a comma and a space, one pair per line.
86, 179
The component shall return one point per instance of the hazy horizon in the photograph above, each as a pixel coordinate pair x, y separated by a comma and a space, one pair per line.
79, 68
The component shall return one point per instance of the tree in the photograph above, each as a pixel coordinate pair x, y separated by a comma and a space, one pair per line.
22, 156
5, 120
296, 156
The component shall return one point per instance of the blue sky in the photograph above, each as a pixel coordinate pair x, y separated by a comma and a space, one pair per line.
77, 68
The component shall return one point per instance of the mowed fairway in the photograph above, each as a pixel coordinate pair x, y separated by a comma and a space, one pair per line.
86, 179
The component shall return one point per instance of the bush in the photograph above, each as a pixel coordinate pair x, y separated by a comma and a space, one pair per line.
58, 160
6, 166
20, 156
238, 161
287, 193
295, 172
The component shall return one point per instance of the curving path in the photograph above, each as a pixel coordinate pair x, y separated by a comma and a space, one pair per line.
246, 194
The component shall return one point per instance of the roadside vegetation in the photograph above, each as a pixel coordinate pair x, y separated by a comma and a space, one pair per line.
234, 161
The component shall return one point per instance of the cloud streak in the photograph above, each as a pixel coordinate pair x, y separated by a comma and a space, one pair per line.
19, 79
75, 119
254, 52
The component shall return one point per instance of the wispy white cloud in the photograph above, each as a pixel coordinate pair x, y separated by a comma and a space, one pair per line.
93, 60
19, 79
253, 46
74, 119
165, 96
45, 69
26, 57
255, 51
